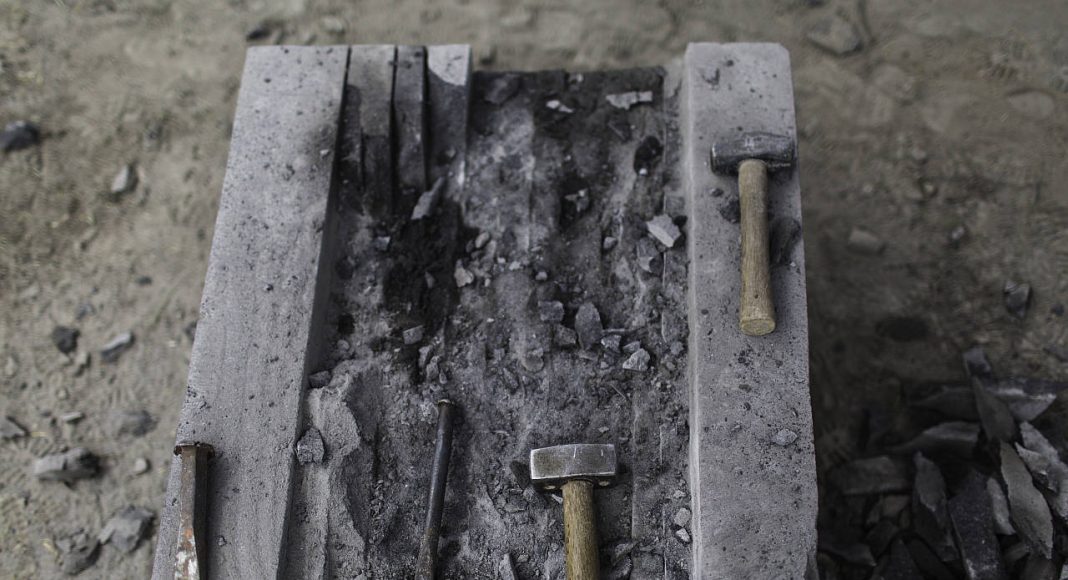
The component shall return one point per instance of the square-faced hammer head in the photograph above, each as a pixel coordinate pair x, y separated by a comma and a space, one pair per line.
776, 151
551, 467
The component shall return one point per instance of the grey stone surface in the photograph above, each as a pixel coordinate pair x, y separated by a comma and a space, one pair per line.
249, 361
410, 119
743, 388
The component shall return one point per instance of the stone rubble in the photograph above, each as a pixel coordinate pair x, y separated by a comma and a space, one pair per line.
664, 230
69, 466
19, 135
77, 552
126, 528
310, 447
1017, 298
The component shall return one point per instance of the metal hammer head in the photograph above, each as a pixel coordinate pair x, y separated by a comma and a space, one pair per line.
551, 467
776, 151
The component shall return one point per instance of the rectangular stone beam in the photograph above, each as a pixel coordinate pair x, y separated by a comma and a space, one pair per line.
263, 293
410, 120
752, 464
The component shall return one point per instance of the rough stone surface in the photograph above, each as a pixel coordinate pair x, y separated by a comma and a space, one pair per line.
929, 513
999, 506
126, 528
664, 230
588, 325
69, 466
870, 476
1030, 514
973, 529
249, 362
77, 552
114, 348
65, 338
836, 35
731, 482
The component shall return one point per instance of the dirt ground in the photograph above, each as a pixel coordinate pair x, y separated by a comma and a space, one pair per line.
943, 135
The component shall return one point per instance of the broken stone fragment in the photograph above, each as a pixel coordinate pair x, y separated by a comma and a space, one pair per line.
124, 181
784, 437
638, 361
999, 507
1045, 464
627, 100
77, 552
9, 429
663, 230
880, 536
501, 88
69, 466
863, 241
1017, 298
976, 364
65, 338
681, 518
1039, 567
564, 337
871, 475
550, 311
428, 201
1026, 398
955, 437
462, 276
973, 529
140, 465
506, 568
846, 547
413, 335
19, 135
683, 535
310, 447
836, 35
588, 325
930, 518
648, 255
320, 379
994, 415
899, 565
1030, 513
136, 423
481, 240
953, 401
116, 346
558, 106
579, 200
610, 342
125, 529
608, 243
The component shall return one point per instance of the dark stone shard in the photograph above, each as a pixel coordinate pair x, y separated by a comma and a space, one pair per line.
881, 535
976, 364
955, 437
928, 563
588, 325
871, 475
191, 331
319, 379
69, 466
846, 547
899, 565
973, 528
428, 200
1017, 298
1038, 567
994, 415
785, 232
9, 429
564, 337
65, 338
501, 88
611, 342
259, 31
19, 135
1058, 352
1045, 465
999, 507
310, 448
77, 552
648, 255
118, 345
902, 328
929, 516
647, 155
1030, 513
731, 210
135, 423
126, 528
1026, 398
550, 311
950, 400
664, 230
637, 362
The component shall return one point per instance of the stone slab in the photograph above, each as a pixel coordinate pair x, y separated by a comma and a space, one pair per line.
261, 300
410, 119
754, 501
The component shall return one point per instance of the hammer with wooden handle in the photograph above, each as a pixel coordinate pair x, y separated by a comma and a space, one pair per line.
576, 469
752, 156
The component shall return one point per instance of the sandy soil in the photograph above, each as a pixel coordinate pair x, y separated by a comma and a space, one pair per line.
950, 114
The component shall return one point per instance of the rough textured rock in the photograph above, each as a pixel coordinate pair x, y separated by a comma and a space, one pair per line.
69, 466
588, 325
126, 528
870, 476
929, 514
77, 552
1030, 514
65, 338
973, 529
310, 448
955, 437
1045, 464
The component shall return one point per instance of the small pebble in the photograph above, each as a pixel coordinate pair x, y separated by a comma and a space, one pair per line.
77, 552
72, 417
124, 181
78, 463
682, 517
65, 338
19, 135
462, 276
551, 311
319, 380
784, 437
836, 35
864, 242
125, 529
1017, 298
413, 335
310, 448
627, 100
140, 465
637, 362
116, 346
556, 105
683, 535
664, 230
135, 423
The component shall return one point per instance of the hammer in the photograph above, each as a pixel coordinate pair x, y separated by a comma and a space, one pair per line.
576, 469
752, 156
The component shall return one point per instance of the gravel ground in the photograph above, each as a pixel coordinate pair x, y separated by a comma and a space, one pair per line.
932, 143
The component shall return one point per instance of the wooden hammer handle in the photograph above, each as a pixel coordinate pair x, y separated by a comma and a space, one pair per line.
757, 312
580, 531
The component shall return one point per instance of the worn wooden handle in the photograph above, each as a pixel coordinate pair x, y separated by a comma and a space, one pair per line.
757, 312
580, 531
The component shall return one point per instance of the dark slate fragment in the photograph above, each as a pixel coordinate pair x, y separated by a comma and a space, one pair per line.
550, 311
928, 563
880, 536
310, 448
77, 552
976, 364
1026, 398
1045, 464
118, 345
846, 547
900, 565
1039, 568
973, 527
19, 135
9, 429
1030, 513
871, 475
1017, 298
65, 338
999, 506
126, 528
929, 516
78, 463
954, 437
994, 415
953, 401
588, 325
135, 423
501, 88
731, 210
